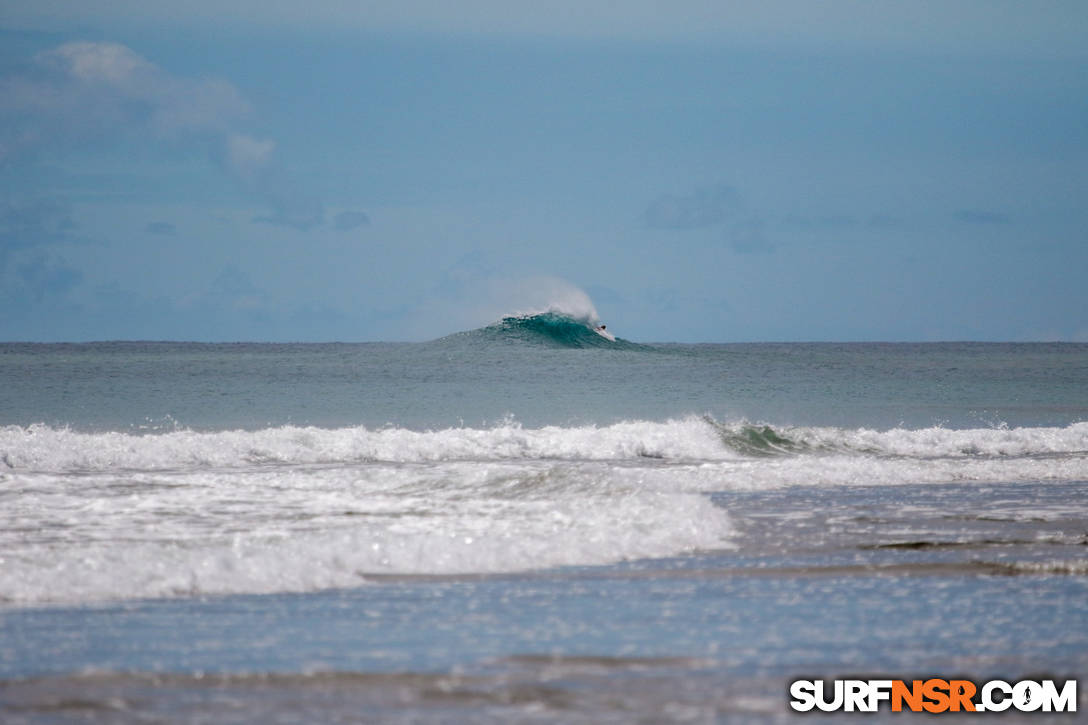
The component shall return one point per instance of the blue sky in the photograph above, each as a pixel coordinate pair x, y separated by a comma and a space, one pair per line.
704, 171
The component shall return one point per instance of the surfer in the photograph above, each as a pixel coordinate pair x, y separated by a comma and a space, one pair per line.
601, 328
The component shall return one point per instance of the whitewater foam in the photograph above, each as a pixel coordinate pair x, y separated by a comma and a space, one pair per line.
98, 516
937, 442
43, 448
300, 528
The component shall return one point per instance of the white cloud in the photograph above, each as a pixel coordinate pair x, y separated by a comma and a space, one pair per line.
247, 156
100, 63
83, 93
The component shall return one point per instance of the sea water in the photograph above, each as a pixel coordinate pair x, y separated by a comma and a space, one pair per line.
529, 522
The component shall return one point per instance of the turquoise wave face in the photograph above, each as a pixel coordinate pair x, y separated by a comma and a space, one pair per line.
757, 440
550, 328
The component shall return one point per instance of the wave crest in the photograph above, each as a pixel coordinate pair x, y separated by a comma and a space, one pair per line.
43, 448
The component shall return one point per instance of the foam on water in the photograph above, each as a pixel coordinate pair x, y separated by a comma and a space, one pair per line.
100, 516
939, 442
281, 554
273, 528
43, 448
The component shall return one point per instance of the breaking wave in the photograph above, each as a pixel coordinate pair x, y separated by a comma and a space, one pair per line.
104, 516
550, 312
552, 328
692, 439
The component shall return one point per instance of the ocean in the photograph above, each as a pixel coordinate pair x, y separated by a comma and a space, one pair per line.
529, 522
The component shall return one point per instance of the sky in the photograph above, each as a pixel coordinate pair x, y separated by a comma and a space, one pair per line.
704, 171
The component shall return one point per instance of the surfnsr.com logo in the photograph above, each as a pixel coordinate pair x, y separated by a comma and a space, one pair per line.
933, 695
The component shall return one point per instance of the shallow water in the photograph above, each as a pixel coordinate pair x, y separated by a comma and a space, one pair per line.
906, 584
